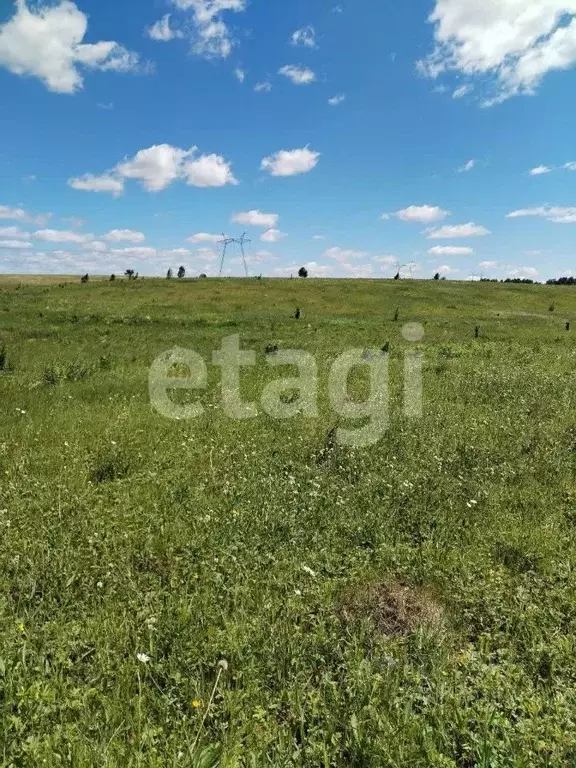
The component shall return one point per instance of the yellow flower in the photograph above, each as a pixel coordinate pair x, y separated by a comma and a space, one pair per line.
196, 703
20, 626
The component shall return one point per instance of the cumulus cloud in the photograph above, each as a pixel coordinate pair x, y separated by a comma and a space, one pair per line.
488, 264
554, 213
344, 255
524, 273
298, 75
240, 74
290, 162
256, 218
124, 235
515, 42
421, 214
211, 37
272, 236
137, 251
450, 250
335, 101
159, 166
162, 31
61, 236
14, 232
92, 183
15, 244
19, 214
46, 43
305, 37
456, 231
204, 237
208, 171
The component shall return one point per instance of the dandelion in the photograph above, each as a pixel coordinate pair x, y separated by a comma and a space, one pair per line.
20, 627
99, 584
143, 657
196, 704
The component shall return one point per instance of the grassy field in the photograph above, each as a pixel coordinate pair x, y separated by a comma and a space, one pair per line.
244, 593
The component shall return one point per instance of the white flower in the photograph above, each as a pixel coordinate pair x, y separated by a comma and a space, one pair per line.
99, 584
298, 593
308, 570
223, 664
143, 658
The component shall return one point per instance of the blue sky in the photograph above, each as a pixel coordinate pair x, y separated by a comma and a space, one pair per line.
353, 138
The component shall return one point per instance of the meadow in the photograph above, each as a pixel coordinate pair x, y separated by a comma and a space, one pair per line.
217, 592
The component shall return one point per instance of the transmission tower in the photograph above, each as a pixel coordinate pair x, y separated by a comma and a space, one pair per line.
225, 242
241, 241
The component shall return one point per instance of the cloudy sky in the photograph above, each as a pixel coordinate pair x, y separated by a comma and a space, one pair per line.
356, 138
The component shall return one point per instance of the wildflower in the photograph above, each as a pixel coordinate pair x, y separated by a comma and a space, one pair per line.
196, 704
223, 664
308, 570
99, 584
298, 593
143, 657
20, 627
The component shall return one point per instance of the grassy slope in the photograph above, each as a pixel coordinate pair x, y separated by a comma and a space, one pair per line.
125, 533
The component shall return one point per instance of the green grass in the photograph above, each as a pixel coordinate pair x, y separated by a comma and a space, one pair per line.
408, 604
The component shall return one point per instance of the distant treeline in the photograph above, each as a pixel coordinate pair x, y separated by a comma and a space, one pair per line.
526, 281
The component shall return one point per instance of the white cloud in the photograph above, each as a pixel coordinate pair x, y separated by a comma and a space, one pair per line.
124, 235
524, 273
137, 251
540, 170
298, 75
335, 101
305, 37
488, 264
272, 236
422, 214
386, 261
467, 166
61, 236
357, 270
318, 237
516, 41
211, 38
179, 252
344, 255
204, 237
156, 167
240, 74
314, 269
445, 269
208, 171
19, 214
556, 214
46, 43
264, 86
162, 31
159, 166
450, 250
569, 166
462, 91
457, 231
103, 183
96, 246
256, 219
15, 244
14, 232
290, 162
